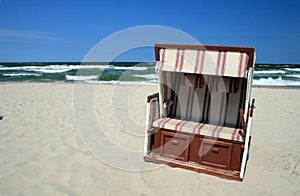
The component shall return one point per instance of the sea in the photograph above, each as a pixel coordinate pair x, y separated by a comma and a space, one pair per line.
136, 73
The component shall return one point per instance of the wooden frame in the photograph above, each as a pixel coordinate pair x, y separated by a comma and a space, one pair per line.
224, 158
194, 161
226, 174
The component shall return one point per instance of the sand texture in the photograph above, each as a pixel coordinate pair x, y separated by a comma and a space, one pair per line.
48, 142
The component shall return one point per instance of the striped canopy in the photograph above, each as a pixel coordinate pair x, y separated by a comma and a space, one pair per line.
209, 62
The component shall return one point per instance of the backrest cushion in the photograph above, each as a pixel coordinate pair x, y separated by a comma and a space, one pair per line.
224, 105
206, 99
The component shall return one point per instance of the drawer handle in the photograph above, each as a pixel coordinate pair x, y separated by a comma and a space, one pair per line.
215, 150
174, 142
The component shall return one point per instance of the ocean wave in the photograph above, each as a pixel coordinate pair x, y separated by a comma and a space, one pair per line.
293, 69
81, 78
72, 66
129, 68
20, 74
44, 69
89, 66
147, 76
118, 82
10, 68
275, 82
22, 68
53, 68
293, 76
270, 72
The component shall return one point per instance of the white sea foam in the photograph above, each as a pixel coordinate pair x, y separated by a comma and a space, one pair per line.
270, 72
22, 68
53, 68
81, 78
294, 76
148, 76
293, 69
117, 82
9, 68
64, 68
89, 66
129, 68
20, 74
275, 82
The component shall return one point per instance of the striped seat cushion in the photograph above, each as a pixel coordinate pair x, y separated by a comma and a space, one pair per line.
199, 128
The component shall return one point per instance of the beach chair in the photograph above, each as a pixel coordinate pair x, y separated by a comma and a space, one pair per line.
201, 118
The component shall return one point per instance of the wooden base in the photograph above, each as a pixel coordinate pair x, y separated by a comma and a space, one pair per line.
227, 174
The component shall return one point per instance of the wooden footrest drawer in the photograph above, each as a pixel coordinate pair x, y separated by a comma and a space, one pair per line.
175, 146
215, 153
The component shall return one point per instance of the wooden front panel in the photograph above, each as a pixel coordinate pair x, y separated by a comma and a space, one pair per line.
155, 141
236, 157
215, 153
175, 146
194, 148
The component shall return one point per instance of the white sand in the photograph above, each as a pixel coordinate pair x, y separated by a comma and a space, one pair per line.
42, 153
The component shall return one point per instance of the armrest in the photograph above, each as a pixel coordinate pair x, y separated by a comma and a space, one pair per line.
242, 118
152, 97
249, 114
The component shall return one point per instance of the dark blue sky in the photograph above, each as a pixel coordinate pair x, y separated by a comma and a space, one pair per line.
65, 30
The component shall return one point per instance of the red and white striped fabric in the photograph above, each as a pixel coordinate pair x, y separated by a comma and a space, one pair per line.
191, 103
219, 63
209, 99
199, 128
223, 84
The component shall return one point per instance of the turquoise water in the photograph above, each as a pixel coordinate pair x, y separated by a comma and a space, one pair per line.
127, 73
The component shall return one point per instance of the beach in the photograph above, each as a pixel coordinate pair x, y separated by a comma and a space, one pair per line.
42, 152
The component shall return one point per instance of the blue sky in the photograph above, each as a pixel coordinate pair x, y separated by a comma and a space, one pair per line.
65, 30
